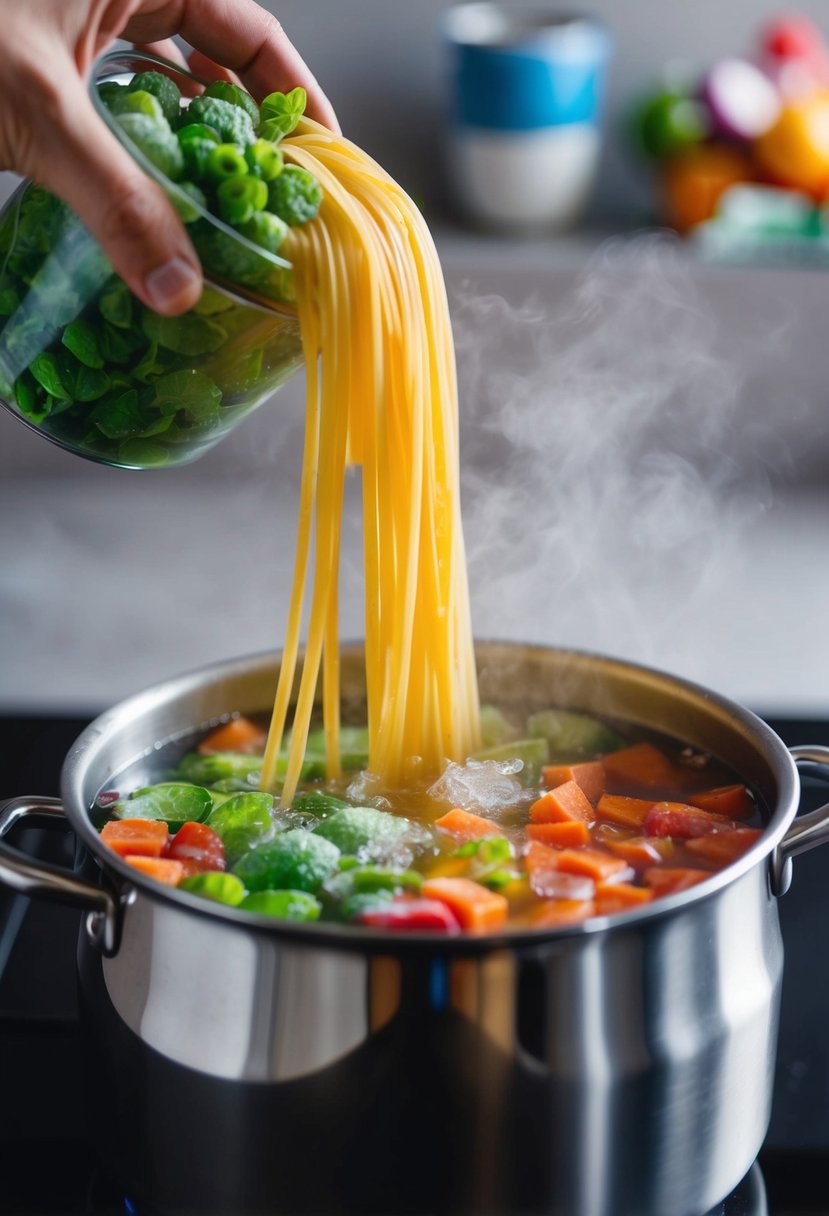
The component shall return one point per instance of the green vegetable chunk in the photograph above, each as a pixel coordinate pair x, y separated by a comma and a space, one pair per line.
264, 157
171, 801
188, 334
495, 728
222, 888
226, 161
163, 88
137, 101
354, 905
295, 196
243, 821
231, 122
191, 206
240, 196
319, 804
355, 827
296, 860
265, 230
155, 139
283, 905
80, 337
533, 753
207, 770
236, 96
571, 735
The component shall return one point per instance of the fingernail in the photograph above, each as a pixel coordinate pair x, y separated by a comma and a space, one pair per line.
168, 283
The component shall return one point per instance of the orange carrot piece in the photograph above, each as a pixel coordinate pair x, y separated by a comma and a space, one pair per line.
162, 869
667, 880
724, 847
643, 765
642, 851
466, 826
628, 812
620, 896
733, 801
555, 912
564, 804
237, 735
681, 821
136, 837
589, 777
540, 856
476, 908
560, 835
591, 862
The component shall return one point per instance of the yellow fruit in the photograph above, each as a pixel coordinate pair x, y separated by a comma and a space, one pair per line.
795, 151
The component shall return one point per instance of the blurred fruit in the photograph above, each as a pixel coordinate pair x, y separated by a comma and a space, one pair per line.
668, 123
795, 150
742, 101
794, 54
693, 182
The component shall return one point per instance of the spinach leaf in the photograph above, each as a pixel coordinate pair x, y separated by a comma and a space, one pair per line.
47, 371
119, 416
189, 390
115, 304
80, 338
90, 384
189, 334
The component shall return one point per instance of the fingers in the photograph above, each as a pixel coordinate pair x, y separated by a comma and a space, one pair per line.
245, 38
129, 215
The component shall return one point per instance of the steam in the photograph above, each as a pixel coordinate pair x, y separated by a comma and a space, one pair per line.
610, 460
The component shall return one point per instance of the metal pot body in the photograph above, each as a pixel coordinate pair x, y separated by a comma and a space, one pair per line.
622, 1072
618, 1068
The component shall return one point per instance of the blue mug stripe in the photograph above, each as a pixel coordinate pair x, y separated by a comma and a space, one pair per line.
517, 91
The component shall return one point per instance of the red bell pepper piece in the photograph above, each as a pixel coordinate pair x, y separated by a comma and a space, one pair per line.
411, 915
198, 848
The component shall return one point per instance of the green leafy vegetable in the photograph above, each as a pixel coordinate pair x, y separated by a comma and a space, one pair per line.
173, 802
355, 827
295, 860
80, 337
189, 334
283, 905
280, 113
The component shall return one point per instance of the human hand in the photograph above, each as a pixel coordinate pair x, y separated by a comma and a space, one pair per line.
49, 130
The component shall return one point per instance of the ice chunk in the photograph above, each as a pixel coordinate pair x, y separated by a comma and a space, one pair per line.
490, 787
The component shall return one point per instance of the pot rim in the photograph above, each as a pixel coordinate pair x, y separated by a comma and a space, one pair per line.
94, 738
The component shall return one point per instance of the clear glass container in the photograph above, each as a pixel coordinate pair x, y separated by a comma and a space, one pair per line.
84, 363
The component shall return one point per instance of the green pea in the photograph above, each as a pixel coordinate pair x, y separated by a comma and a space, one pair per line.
240, 197
226, 160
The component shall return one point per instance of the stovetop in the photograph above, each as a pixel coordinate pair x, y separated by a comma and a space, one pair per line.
46, 1159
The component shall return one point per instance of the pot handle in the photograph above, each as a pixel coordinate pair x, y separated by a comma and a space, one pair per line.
807, 831
41, 880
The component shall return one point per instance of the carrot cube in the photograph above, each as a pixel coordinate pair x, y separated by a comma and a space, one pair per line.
136, 837
667, 880
643, 765
591, 862
465, 826
476, 908
724, 847
683, 822
733, 801
564, 804
627, 812
619, 897
237, 735
589, 777
560, 835
642, 851
162, 869
555, 912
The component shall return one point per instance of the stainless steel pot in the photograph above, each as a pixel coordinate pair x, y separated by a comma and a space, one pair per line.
616, 1068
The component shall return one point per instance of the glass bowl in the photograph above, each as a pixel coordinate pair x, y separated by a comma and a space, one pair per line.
84, 363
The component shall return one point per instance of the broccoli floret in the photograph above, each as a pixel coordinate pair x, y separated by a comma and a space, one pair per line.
295, 195
156, 141
227, 257
161, 87
266, 230
236, 96
232, 122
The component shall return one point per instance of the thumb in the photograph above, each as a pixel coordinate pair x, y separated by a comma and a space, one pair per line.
129, 215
